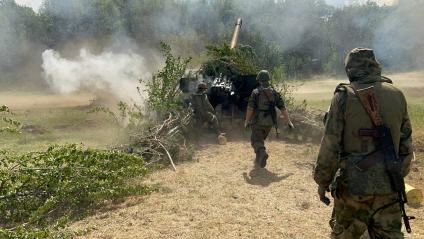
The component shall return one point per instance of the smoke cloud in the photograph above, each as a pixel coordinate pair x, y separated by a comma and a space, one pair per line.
187, 25
117, 73
347, 2
399, 41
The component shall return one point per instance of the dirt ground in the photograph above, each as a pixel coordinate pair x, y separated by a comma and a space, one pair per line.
220, 195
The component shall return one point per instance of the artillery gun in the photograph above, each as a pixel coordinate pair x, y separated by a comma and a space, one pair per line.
230, 83
229, 87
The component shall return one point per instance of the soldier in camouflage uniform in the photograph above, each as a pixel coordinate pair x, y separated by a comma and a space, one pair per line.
260, 117
203, 110
362, 199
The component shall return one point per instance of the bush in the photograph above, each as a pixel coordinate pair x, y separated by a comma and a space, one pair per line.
10, 125
163, 89
41, 187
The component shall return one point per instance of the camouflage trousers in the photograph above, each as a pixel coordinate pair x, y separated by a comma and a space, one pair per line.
353, 215
258, 136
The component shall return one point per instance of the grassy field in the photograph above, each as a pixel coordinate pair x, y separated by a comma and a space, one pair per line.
53, 119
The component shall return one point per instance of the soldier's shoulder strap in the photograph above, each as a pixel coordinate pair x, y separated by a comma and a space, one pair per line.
269, 94
255, 96
368, 100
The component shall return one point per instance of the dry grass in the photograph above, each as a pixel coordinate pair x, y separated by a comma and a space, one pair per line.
40, 100
319, 92
220, 196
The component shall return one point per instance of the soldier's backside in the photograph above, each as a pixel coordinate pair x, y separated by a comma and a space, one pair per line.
364, 199
261, 115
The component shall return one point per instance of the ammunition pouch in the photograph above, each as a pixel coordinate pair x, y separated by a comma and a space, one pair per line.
367, 175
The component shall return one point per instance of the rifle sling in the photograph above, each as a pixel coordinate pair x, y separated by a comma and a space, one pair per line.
369, 102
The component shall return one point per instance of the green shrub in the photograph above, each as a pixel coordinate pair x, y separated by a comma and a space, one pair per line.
9, 124
163, 89
40, 188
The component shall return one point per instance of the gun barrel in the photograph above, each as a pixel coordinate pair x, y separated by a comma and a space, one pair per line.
236, 33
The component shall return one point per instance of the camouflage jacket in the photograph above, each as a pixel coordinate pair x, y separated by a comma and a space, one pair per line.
201, 105
260, 101
341, 139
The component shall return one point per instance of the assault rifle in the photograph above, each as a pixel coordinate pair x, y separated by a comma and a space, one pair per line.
383, 135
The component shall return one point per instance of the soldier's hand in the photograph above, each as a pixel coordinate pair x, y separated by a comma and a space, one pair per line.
291, 125
246, 125
321, 192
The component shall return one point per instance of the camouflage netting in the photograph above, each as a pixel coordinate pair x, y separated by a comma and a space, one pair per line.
230, 62
243, 61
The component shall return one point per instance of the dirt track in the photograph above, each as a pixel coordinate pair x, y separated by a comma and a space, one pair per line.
220, 196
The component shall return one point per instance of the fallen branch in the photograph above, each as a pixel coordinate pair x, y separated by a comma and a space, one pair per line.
169, 155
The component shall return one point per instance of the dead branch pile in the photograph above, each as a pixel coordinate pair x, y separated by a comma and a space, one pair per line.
163, 141
308, 123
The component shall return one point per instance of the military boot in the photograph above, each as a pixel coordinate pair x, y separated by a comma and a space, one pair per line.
261, 158
257, 160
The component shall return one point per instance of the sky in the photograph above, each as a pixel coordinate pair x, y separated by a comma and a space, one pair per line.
35, 4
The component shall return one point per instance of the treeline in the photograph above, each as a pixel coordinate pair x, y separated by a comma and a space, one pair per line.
299, 37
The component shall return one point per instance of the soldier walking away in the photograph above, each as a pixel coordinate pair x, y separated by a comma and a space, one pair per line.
365, 153
204, 111
261, 115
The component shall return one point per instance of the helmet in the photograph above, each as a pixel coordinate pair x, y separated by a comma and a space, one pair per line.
263, 76
202, 86
361, 62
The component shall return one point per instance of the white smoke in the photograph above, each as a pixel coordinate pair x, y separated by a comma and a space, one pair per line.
348, 2
34, 4
118, 73
399, 40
